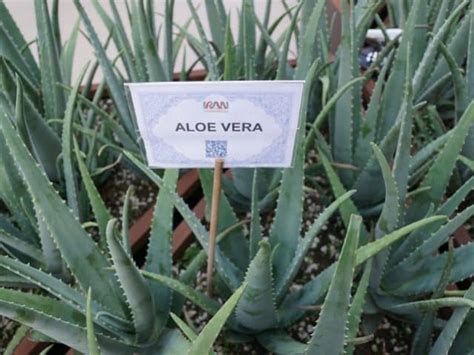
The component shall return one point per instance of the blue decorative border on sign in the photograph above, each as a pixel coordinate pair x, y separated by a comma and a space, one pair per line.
277, 105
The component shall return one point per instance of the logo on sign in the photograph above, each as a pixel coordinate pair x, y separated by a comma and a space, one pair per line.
215, 106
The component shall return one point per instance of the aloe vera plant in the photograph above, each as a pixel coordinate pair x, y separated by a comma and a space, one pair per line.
106, 304
268, 267
241, 56
432, 62
412, 269
36, 89
38, 96
136, 37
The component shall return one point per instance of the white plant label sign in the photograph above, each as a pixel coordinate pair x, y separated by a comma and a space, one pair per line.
245, 123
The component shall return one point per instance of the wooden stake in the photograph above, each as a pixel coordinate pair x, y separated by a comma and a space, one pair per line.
216, 199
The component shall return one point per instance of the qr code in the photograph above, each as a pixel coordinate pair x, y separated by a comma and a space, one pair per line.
216, 149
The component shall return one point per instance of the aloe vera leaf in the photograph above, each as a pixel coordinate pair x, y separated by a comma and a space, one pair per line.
438, 176
433, 46
9, 76
445, 339
49, 283
10, 51
62, 224
230, 72
236, 247
308, 41
366, 251
117, 30
418, 51
248, 13
364, 14
10, 28
255, 227
369, 126
265, 39
101, 213
357, 305
425, 278
20, 245
460, 85
468, 149
348, 207
179, 41
286, 227
453, 202
154, 65
17, 338
50, 66
457, 48
402, 155
111, 123
46, 315
389, 218
333, 101
158, 258
11, 172
67, 53
239, 188
125, 240
292, 306
139, 53
441, 13
120, 38
206, 303
271, 29
92, 344
306, 13
327, 337
470, 54
393, 96
434, 304
37, 128
256, 309
15, 196
425, 153
422, 338
239, 49
168, 58
6, 222
51, 254
306, 243
138, 294
215, 24
55, 320
203, 343
67, 154
415, 239
344, 119
437, 239
279, 342
186, 329
55, 24
208, 56
20, 118
283, 58
115, 87
370, 174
